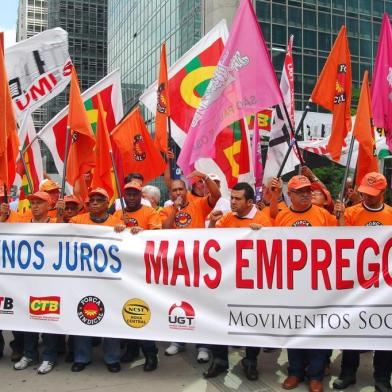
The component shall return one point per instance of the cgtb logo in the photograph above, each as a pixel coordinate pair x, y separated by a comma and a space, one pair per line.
182, 316
45, 308
6, 305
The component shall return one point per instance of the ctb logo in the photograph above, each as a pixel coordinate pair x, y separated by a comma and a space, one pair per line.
182, 316
44, 307
6, 305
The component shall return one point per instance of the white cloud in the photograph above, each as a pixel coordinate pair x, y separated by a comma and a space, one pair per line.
9, 36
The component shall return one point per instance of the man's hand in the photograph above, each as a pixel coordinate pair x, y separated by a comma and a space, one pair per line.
260, 205
255, 226
4, 212
136, 229
215, 215
338, 211
177, 203
305, 171
119, 227
60, 206
276, 186
197, 174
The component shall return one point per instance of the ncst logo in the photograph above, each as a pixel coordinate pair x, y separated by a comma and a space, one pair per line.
44, 305
182, 316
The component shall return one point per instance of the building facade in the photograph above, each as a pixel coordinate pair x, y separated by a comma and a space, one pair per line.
86, 24
136, 30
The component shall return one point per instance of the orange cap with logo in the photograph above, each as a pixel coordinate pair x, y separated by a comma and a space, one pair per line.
298, 182
40, 196
98, 191
133, 185
373, 184
48, 185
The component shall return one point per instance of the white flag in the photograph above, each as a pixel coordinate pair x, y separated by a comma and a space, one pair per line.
280, 135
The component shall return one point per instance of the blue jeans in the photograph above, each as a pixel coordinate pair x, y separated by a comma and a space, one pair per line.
31, 346
313, 360
83, 347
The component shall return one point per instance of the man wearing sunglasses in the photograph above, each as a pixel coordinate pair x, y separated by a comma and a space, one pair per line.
303, 363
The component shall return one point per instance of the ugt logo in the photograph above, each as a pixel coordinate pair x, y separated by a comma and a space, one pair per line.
182, 316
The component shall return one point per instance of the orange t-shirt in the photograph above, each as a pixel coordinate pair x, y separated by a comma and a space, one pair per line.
266, 210
192, 216
231, 220
16, 217
359, 215
145, 217
84, 219
313, 216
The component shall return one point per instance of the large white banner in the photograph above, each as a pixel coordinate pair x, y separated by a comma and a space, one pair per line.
38, 69
279, 287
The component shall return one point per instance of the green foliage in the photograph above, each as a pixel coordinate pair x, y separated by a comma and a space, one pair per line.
332, 176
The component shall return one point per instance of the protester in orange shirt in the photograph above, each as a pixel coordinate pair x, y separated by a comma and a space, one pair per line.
303, 363
98, 211
243, 214
53, 190
186, 214
139, 217
371, 212
39, 202
68, 208
97, 215
302, 212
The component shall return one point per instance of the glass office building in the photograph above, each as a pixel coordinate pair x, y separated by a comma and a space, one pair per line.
136, 30
315, 25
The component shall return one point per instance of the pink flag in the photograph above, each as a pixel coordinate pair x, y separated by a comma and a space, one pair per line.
382, 82
256, 153
244, 83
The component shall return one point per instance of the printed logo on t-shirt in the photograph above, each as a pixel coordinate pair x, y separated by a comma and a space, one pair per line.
301, 223
374, 223
182, 219
132, 222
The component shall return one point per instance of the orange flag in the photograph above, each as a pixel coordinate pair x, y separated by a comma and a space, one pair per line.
138, 153
333, 92
163, 105
364, 132
102, 176
81, 156
9, 141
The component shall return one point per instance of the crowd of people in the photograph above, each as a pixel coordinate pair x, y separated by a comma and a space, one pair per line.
307, 202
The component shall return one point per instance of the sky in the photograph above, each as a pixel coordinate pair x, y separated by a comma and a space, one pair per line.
8, 16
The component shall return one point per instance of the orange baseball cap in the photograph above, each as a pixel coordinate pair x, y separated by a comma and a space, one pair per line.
39, 195
72, 199
48, 185
98, 191
298, 182
373, 184
317, 186
133, 185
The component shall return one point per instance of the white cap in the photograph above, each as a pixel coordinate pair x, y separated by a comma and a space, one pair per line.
213, 177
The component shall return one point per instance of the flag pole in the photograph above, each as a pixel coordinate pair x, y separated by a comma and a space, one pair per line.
117, 181
292, 142
300, 157
30, 183
67, 135
350, 152
172, 162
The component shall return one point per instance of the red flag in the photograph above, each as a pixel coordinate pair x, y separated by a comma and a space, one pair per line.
9, 141
364, 132
102, 176
163, 105
81, 156
333, 92
137, 148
